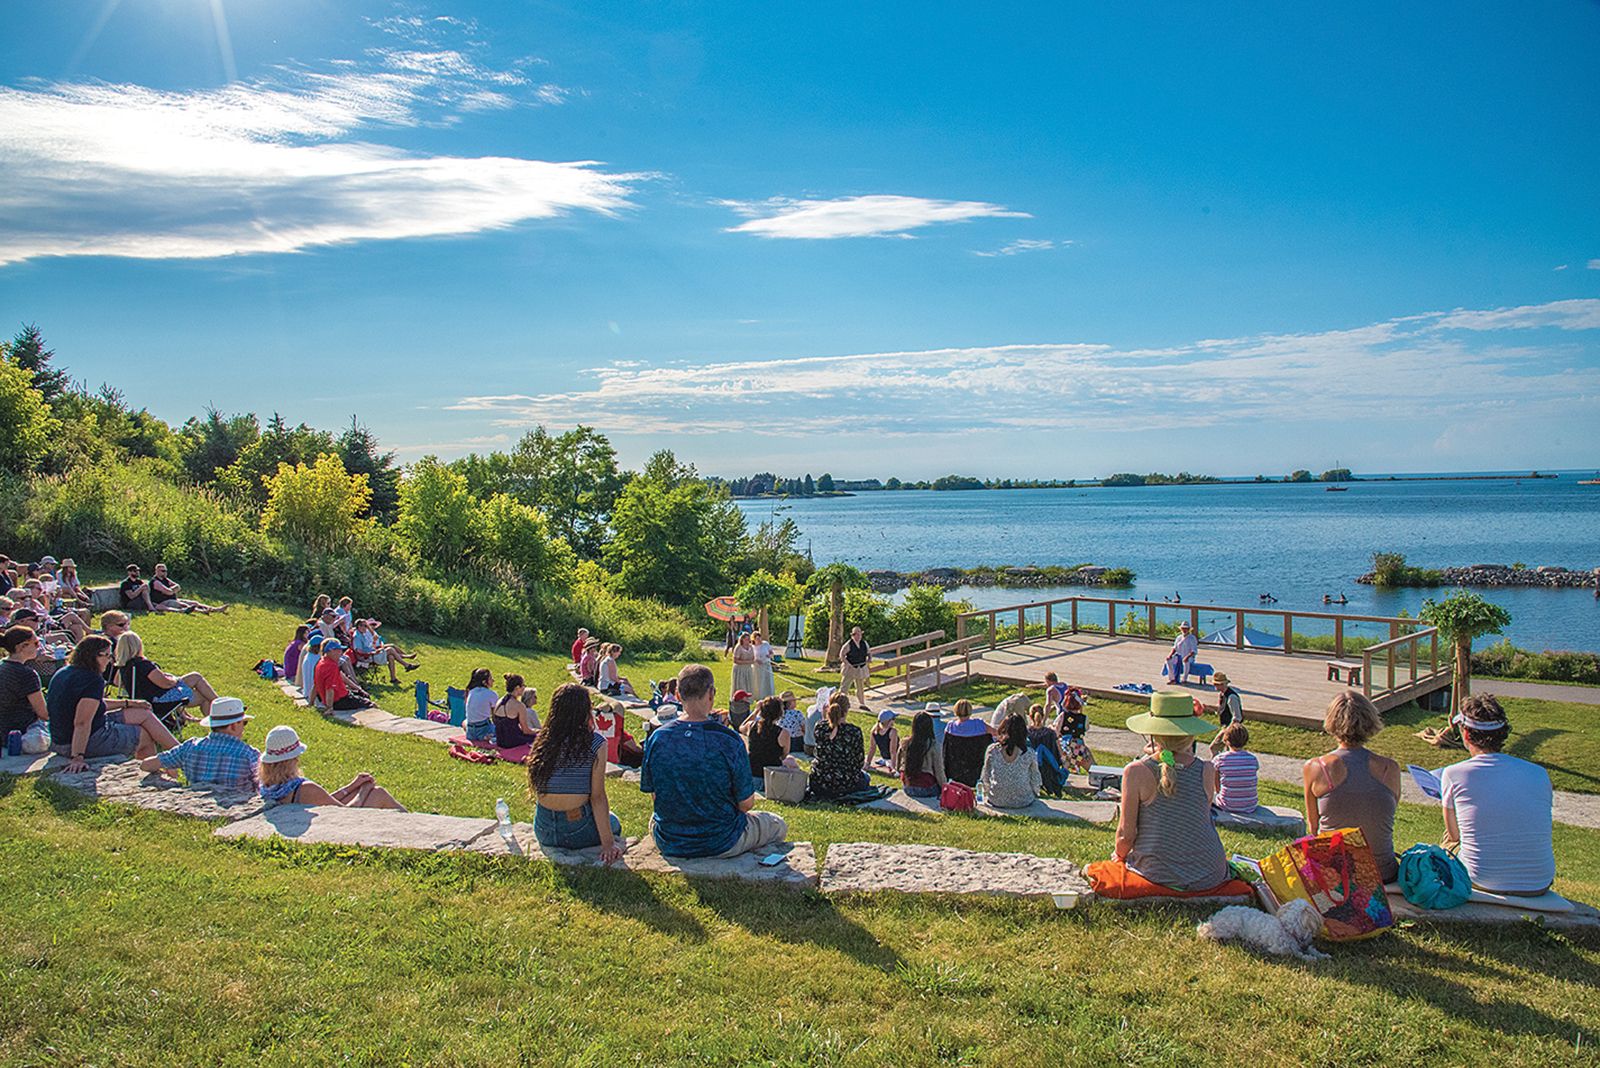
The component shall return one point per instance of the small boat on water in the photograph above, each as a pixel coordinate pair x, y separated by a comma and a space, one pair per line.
1337, 489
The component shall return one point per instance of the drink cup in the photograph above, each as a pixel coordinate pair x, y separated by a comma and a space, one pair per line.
14, 743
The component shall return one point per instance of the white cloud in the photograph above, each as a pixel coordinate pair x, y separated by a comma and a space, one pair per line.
862, 216
270, 166
1022, 244
1374, 372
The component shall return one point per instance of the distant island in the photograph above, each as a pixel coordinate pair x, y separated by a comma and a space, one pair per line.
767, 484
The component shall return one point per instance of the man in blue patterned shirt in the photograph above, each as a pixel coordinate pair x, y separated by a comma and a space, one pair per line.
220, 760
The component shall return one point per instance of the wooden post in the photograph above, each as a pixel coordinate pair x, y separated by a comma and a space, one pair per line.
1338, 638
1111, 619
1238, 630
1433, 654
1413, 659
1366, 671
1022, 624
1390, 658
1049, 623
1394, 631
1194, 623
992, 637
1074, 615
961, 627
1151, 609
1288, 633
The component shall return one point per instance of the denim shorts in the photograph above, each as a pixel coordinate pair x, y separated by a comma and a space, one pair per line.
559, 830
481, 732
116, 738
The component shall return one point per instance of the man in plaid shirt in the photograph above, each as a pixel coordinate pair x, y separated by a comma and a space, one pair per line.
221, 759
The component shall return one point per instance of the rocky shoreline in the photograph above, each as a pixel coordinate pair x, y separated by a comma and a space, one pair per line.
1501, 575
995, 577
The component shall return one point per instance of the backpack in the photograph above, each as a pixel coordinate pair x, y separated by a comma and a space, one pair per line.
1431, 878
268, 670
956, 797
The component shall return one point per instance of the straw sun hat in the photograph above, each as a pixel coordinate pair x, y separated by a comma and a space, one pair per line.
1171, 715
282, 743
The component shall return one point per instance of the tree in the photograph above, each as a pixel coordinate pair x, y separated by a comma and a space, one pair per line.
320, 506
858, 608
808, 486
1461, 617
25, 420
358, 448
822, 579
27, 351
519, 537
246, 478
825, 483
572, 478
1299, 476
763, 592
924, 609
674, 536
208, 445
437, 514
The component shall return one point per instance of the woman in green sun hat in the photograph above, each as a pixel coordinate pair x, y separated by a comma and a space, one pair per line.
1166, 843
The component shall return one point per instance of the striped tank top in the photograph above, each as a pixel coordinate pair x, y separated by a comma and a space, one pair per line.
1237, 770
1175, 843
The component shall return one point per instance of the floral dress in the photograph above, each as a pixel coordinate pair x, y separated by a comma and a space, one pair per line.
840, 758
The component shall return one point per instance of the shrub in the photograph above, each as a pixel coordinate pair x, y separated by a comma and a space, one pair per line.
1117, 576
25, 422
924, 609
862, 608
320, 505
1507, 661
1390, 570
437, 514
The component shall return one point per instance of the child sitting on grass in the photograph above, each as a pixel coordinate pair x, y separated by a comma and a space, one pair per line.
886, 740
1236, 771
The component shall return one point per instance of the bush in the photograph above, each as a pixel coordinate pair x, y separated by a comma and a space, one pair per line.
318, 505
1509, 662
924, 609
1390, 570
862, 608
1117, 576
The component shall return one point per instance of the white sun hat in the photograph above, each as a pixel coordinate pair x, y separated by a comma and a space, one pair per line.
282, 744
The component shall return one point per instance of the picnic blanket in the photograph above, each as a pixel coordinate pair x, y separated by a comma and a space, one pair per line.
515, 755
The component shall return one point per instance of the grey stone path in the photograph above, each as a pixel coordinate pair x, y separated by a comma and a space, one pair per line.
1543, 691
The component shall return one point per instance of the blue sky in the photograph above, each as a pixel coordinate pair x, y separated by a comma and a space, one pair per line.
1045, 240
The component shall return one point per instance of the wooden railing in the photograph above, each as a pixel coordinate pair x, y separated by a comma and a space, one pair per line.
903, 668
1405, 654
893, 649
1081, 612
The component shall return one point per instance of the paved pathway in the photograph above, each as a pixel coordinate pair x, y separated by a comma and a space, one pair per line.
1543, 691
1579, 810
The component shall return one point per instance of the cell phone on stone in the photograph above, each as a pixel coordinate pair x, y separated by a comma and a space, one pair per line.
772, 860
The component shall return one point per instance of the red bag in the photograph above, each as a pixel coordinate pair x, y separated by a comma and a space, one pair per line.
956, 797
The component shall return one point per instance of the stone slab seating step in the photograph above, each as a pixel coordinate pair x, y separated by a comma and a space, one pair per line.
797, 869
1063, 810
1269, 818
363, 827
28, 763
1576, 917
419, 830
122, 780
922, 869
105, 598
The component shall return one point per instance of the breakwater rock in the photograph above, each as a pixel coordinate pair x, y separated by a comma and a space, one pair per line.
1501, 575
1001, 577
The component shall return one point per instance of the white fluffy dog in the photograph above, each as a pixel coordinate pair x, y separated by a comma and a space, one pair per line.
1288, 934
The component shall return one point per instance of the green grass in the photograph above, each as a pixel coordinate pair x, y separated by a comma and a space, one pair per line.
136, 938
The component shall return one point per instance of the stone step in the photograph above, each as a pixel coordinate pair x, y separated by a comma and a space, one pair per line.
1045, 808
1579, 918
418, 830
1271, 819
117, 779
922, 869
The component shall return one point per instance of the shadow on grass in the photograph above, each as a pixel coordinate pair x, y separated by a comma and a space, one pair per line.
8, 784
629, 895
1526, 746
62, 799
796, 918
1410, 968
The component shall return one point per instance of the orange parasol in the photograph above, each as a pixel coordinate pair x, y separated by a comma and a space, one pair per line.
724, 608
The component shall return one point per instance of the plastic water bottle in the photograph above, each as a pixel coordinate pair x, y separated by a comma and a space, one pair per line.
980, 791
502, 814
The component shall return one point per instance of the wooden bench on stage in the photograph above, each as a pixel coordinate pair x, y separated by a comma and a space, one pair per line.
1340, 670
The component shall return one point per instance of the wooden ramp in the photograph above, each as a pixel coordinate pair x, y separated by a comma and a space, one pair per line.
1275, 686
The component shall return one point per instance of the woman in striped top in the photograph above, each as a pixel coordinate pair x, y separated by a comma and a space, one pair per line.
567, 776
1236, 771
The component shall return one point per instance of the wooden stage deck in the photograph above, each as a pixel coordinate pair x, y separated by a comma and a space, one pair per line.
1277, 687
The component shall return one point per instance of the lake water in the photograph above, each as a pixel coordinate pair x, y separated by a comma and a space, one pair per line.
1228, 544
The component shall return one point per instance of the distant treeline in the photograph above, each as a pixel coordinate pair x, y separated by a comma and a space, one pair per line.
767, 484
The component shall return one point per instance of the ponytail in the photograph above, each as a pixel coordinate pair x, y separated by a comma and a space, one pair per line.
1169, 745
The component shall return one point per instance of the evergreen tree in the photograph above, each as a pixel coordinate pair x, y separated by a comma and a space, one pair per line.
27, 351
358, 448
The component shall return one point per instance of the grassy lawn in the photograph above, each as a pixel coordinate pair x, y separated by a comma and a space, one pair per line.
135, 938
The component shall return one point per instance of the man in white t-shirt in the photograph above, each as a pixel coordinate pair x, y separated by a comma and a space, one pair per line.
1497, 807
